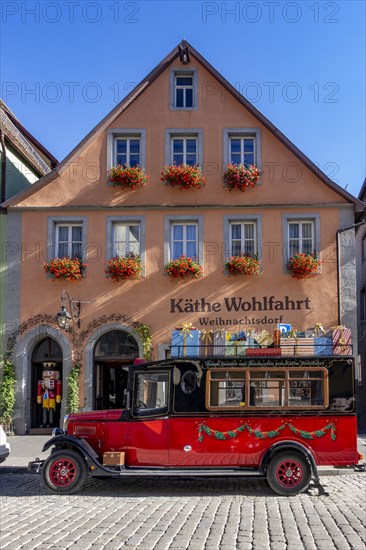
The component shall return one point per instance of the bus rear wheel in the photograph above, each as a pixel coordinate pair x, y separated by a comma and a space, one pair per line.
64, 472
289, 473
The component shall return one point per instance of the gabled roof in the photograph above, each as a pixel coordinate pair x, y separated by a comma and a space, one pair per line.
27, 145
362, 193
183, 49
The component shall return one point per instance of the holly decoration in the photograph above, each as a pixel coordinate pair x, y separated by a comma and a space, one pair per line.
203, 430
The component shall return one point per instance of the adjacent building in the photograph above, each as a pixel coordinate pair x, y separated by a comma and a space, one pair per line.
23, 161
183, 113
361, 299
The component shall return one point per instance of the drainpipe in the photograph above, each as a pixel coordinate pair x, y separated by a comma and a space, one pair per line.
339, 266
3, 167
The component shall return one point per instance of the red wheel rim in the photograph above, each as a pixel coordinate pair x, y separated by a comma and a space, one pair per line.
289, 473
63, 472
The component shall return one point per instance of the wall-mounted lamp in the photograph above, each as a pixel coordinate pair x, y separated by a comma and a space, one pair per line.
65, 317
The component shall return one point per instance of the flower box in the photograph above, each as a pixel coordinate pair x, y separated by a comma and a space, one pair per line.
121, 268
183, 268
243, 265
241, 176
67, 269
183, 176
302, 266
127, 177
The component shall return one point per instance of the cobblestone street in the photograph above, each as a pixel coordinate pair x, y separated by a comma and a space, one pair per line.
193, 514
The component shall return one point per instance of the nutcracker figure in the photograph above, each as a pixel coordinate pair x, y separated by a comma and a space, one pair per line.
49, 393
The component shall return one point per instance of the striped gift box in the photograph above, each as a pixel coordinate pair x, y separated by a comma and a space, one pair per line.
342, 340
219, 339
297, 346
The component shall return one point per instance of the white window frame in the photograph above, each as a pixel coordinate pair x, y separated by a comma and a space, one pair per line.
242, 152
301, 239
114, 134
184, 241
255, 219
52, 229
191, 72
301, 218
243, 133
128, 148
129, 245
183, 133
243, 239
69, 242
169, 221
126, 220
184, 139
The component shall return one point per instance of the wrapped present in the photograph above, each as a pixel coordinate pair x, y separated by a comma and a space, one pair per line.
241, 348
206, 343
230, 348
323, 345
297, 346
185, 341
251, 341
238, 335
276, 337
342, 340
263, 352
219, 339
264, 339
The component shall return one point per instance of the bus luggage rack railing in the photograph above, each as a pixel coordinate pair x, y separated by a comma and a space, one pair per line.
240, 349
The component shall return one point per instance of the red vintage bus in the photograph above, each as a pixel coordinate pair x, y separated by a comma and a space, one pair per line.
275, 417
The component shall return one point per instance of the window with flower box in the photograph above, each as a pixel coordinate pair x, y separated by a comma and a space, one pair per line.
67, 237
125, 235
126, 146
301, 235
243, 235
183, 146
183, 236
242, 146
126, 238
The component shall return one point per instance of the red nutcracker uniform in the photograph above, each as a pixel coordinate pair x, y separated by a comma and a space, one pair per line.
48, 394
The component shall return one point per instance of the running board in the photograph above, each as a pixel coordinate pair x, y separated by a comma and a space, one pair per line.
160, 472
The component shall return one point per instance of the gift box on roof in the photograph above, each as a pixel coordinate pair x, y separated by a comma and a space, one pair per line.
238, 335
323, 345
219, 339
185, 341
241, 348
297, 346
264, 352
342, 340
250, 341
206, 343
230, 348
264, 339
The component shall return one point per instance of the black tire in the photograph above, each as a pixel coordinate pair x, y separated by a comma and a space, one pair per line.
64, 472
289, 473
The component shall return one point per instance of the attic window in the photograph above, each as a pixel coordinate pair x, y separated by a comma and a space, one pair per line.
183, 90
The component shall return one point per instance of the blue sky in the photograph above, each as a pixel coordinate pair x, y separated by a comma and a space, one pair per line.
65, 64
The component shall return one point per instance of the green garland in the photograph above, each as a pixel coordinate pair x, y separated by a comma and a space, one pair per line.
7, 392
73, 396
223, 436
145, 333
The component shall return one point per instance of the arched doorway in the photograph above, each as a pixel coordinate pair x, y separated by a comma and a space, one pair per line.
47, 355
112, 351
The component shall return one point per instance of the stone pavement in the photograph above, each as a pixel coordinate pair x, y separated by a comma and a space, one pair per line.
218, 514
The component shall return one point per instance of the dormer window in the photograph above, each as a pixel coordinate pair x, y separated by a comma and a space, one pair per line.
183, 90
